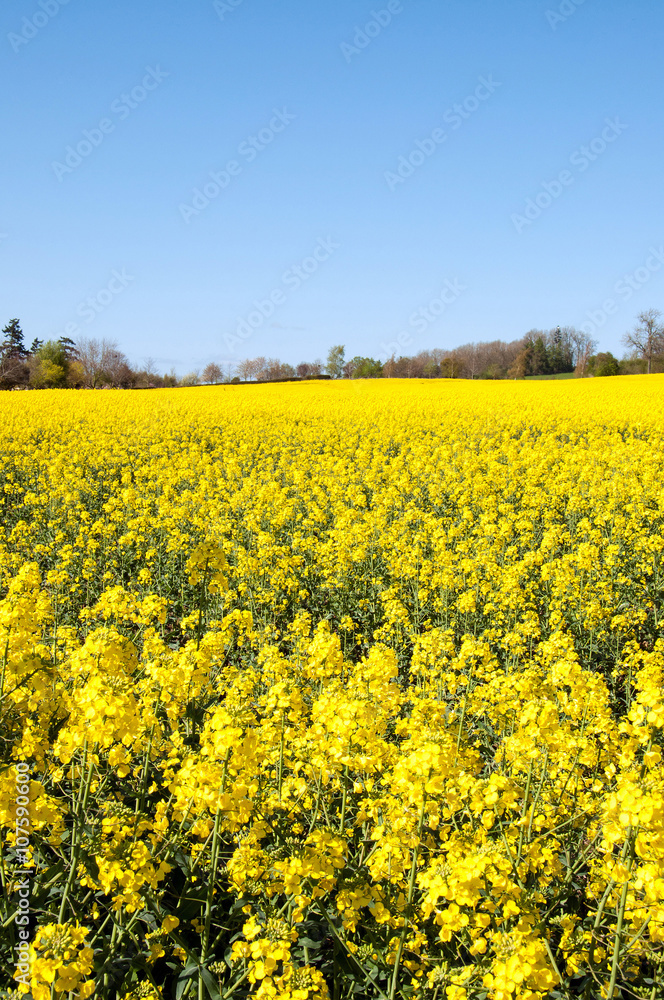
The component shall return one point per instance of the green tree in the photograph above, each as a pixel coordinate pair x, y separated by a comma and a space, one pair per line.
560, 349
69, 348
493, 371
335, 361
13, 355
13, 346
603, 364
557, 360
450, 367
364, 368
49, 365
540, 360
47, 375
54, 351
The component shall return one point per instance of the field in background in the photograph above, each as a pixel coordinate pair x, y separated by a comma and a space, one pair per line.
350, 688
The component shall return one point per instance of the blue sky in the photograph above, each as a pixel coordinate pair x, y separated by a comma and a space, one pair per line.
432, 171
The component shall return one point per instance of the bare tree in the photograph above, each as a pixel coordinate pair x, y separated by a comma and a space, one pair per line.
89, 358
147, 377
582, 347
272, 368
647, 339
258, 369
245, 370
102, 363
471, 360
212, 373
584, 353
13, 371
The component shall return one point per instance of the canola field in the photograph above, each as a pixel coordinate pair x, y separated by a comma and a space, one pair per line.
333, 690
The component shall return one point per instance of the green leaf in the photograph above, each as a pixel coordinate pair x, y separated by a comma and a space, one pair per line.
311, 943
187, 973
210, 984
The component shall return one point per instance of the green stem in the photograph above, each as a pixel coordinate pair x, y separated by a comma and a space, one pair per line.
214, 862
281, 751
615, 962
604, 899
463, 715
144, 776
349, 954
523, 814
409, 901
616, 947
202, 603
81, 806
553, 961
343, 802
537, 796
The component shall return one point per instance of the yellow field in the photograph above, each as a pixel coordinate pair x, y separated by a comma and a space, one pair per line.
352, 688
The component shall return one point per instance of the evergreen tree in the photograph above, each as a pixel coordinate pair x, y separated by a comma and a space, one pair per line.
556, 360
69, 347
13, 346
36, 345
13, 368
540, 360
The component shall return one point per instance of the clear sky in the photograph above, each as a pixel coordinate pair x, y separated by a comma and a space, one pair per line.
439, 170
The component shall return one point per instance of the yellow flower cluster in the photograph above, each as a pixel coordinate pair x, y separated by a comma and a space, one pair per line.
334, 689
61, 959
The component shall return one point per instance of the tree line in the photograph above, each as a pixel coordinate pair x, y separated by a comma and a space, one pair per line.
96, 364
56, 364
